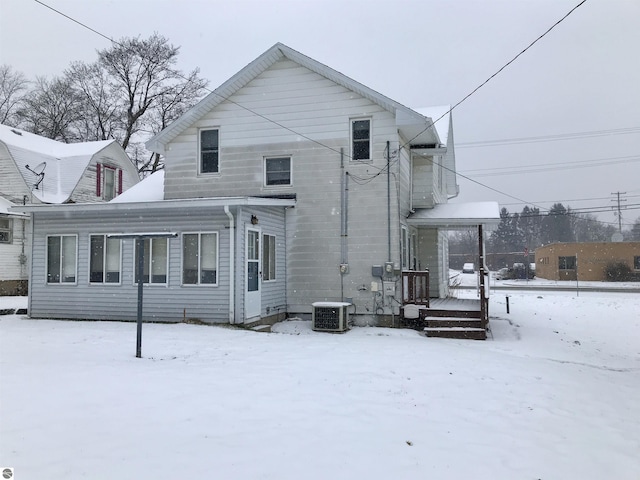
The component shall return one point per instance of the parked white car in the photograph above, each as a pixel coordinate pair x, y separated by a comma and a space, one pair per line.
468, 268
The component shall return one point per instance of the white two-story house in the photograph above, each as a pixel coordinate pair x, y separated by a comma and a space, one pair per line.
35, 170
289, 184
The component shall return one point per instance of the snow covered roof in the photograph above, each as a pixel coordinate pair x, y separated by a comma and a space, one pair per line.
151, 189
411, 122
63, 164
457, 215
5, 206
441, 115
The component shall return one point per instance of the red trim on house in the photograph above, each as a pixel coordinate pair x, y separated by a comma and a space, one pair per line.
98, 180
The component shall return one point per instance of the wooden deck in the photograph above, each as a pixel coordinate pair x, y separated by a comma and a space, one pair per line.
464, 304
442, 317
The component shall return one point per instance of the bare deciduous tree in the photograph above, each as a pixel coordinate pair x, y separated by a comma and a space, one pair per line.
51, 109
133, 90
13, 88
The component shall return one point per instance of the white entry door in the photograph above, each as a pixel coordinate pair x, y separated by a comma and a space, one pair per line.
253, 274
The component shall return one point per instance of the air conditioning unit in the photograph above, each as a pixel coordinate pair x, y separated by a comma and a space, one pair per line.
330, 316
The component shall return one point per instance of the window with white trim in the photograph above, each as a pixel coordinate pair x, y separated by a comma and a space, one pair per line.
200, 258
361, 139
6, 230
62, 257
277, 171
268, 257
155, 261
104, 259
209, 151
406, 250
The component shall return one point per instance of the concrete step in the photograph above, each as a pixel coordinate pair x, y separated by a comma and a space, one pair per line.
262, 328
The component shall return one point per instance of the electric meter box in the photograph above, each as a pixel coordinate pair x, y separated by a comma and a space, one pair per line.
377, 271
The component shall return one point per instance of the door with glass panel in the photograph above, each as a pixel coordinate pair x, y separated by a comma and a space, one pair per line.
252, 304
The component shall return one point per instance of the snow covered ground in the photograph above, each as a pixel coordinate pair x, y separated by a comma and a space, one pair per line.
553, 394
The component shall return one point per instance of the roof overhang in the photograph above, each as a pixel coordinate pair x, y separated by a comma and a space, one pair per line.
456, 215
195, 203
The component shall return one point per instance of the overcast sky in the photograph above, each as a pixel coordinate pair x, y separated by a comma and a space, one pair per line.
582, 78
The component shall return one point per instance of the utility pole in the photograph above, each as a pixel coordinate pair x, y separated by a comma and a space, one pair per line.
619, 208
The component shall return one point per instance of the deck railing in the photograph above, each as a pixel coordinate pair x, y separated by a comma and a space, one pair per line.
415, 287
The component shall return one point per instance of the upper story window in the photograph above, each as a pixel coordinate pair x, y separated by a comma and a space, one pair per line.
277, 171
5, 230
636, 262
361, 139
209, 151
104, 259
61, 258
108, 181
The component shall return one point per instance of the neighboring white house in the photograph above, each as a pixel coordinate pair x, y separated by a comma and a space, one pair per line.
38, 170
289, 184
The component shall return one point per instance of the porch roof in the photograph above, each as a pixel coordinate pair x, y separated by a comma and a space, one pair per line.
456, 215
159, 205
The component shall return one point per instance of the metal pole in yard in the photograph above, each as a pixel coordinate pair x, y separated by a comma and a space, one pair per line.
507, 297
140, 247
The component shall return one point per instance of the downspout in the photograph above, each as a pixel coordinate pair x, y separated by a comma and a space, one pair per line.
343, 222
388, 201
232, 261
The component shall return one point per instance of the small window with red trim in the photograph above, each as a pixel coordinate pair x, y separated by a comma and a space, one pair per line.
108, 181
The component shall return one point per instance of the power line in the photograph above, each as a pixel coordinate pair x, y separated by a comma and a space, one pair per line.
549, 138
498, 72
336, 150
569, 200
547, 167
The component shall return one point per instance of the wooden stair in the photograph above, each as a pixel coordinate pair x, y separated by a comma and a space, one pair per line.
461, 324
454, 327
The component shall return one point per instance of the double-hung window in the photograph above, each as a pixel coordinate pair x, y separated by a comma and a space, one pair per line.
209, 151
108, 181
155, 261
268, 257
361, 139
277, 171
5, 230
104, 259
61, 258
200, 258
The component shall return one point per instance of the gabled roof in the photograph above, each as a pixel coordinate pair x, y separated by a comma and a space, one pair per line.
63, 164
412, 121
441, 115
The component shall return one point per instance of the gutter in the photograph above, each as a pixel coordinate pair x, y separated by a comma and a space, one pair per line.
232, 270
